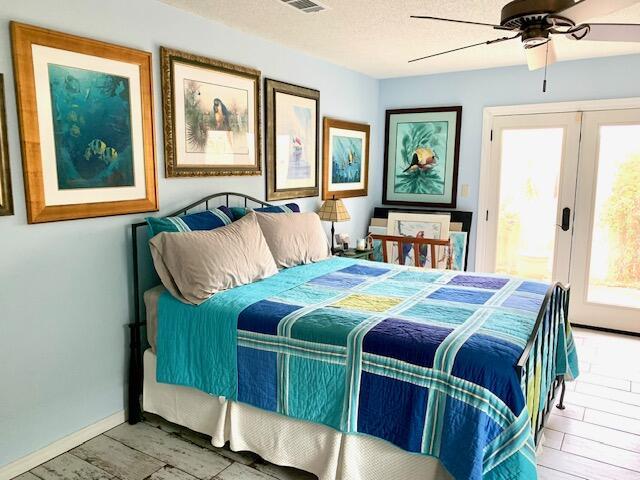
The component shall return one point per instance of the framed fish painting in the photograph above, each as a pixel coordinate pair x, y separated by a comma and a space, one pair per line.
211, 112
422, 148
293, 118
345, 159
6, 199
86, 126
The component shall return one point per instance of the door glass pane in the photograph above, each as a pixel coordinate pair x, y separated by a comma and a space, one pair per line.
614, 273
529, 179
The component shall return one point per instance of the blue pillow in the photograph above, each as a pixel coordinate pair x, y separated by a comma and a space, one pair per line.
207, 220
286, 208
239, 212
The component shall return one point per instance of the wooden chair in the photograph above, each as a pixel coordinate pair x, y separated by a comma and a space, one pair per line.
417, 244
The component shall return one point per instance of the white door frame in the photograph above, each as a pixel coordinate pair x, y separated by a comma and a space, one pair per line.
486, 185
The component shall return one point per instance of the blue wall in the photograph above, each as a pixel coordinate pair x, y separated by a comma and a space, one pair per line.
65, 286
612, 77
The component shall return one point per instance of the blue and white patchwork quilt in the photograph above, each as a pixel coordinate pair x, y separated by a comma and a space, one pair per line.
424, 359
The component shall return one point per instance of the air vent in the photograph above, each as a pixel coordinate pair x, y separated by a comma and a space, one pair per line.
306, 6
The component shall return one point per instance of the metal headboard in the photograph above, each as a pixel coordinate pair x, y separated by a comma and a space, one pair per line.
139, 318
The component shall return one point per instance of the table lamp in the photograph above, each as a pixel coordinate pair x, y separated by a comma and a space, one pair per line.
333, 210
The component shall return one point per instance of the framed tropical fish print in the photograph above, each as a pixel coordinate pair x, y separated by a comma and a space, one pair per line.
422, 147
293, 118
86, 126
6, 199
345, 162
211, 112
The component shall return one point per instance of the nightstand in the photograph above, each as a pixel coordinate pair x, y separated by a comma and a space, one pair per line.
353, 253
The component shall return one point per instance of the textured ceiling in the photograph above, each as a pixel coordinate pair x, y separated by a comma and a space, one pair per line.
377, 37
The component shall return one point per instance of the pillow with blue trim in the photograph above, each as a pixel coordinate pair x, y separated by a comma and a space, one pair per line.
239, 212
207, 220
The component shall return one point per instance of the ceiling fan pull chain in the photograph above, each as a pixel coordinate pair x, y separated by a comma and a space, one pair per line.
546, 61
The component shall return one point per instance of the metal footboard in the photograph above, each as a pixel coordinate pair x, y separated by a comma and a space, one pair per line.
537, 364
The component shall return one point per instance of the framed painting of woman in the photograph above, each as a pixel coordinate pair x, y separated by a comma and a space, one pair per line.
211, 112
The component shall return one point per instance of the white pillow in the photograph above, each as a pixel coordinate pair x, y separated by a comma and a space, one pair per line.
294, 238
195, 265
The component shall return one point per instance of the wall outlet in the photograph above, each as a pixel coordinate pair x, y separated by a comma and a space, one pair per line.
464, 191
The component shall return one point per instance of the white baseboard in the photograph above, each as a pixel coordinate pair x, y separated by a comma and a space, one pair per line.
58, 447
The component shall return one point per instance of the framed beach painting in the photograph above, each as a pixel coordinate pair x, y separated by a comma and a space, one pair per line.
6, 199
345, 162
86, 126
419, 225
293, 118
421, 156
211, 114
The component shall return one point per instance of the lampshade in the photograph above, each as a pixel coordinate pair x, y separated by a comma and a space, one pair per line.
333, 210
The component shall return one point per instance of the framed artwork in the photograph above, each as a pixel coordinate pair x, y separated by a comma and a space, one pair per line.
422, 147
345, 162
458, 250
86, 126
376, 245
6, 198
293, 118
211, 113
419, 225
460, 221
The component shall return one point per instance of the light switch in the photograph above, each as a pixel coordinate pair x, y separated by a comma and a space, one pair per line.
465, 190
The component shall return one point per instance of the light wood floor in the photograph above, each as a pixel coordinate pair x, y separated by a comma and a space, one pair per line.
597, 436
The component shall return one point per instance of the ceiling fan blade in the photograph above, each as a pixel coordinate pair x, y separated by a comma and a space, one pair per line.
608, 32
426, 17
541, 55
584, 10
488, 42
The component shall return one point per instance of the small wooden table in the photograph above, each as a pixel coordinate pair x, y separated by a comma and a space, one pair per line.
353, 253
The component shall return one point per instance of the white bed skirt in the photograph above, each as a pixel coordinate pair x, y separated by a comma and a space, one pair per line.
323, 451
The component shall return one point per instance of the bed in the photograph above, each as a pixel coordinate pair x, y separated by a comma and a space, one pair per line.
354, 369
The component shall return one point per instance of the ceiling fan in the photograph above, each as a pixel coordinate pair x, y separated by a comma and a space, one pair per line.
535, 22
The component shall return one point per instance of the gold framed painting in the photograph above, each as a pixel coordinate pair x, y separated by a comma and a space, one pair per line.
345, 159
86, 126
6, 199
211, 112
293, 119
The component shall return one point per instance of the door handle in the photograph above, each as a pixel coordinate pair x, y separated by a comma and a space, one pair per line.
566, 218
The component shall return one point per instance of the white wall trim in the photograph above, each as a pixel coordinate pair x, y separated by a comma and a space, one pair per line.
58, 447
563, 107
486, 182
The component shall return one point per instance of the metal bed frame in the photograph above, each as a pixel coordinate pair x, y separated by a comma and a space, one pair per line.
543, 337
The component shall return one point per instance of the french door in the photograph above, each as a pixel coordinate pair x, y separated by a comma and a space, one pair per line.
566, 207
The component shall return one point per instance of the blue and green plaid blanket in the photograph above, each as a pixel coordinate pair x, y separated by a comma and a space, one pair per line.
424, 359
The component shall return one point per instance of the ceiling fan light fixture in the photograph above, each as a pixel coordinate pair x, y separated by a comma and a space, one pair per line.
540, 55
